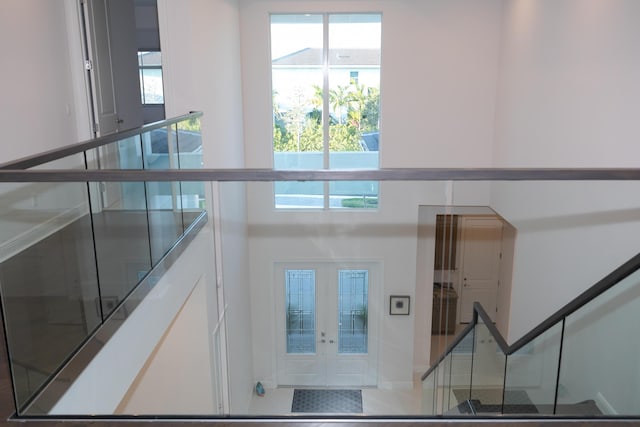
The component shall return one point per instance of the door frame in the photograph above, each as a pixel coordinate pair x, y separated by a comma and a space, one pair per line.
426, 275
328, 270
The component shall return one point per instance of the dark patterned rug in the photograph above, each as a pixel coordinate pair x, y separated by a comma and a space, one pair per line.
327, 401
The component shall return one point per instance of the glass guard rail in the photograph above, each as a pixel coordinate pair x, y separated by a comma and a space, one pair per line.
281, 268
558, 368
73, 253
187, 122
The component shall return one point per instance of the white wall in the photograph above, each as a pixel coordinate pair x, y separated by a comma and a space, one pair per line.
568, 87
503, 316
37, 103
235, 279
201, 52
388, 237
438, 78
567, 98
570, 235
200, 48
445, 86
438, 82
567, 91
38, 108
177, 377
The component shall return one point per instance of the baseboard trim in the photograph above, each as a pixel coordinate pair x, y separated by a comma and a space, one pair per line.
269, 384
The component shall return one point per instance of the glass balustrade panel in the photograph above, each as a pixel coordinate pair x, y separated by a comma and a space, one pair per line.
189, 148
443, 386
120, 221
487, 376
461, 360
160, 148
47, 276
557, 232
531, 377
257, 239
599, 370
428, 399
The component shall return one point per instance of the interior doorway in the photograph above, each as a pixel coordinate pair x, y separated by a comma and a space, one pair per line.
111, 65
472, 250
123, 63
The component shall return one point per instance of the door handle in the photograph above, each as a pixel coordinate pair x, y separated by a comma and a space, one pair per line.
322, 341
331, 341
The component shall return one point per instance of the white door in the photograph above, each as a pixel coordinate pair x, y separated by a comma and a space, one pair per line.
124, 62
110, 36
326, 328
96, 16
481, 242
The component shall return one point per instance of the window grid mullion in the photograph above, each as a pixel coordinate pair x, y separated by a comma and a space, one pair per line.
325, 103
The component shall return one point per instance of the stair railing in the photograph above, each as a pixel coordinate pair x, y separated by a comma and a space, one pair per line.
534, 375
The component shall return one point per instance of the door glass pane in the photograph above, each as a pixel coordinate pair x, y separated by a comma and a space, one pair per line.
353, 308
160, 151
301, 311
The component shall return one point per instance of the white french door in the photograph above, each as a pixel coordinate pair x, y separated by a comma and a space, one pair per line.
326, 328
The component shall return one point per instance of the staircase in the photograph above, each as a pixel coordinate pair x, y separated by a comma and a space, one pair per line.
577, 363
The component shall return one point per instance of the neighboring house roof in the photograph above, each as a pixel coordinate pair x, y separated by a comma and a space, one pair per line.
337, 57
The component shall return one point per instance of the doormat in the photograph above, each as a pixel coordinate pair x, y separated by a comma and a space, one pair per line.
327, 401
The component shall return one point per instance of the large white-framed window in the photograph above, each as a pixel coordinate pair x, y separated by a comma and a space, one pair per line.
326, 105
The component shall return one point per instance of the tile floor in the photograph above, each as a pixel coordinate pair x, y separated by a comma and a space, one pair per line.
375, 402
